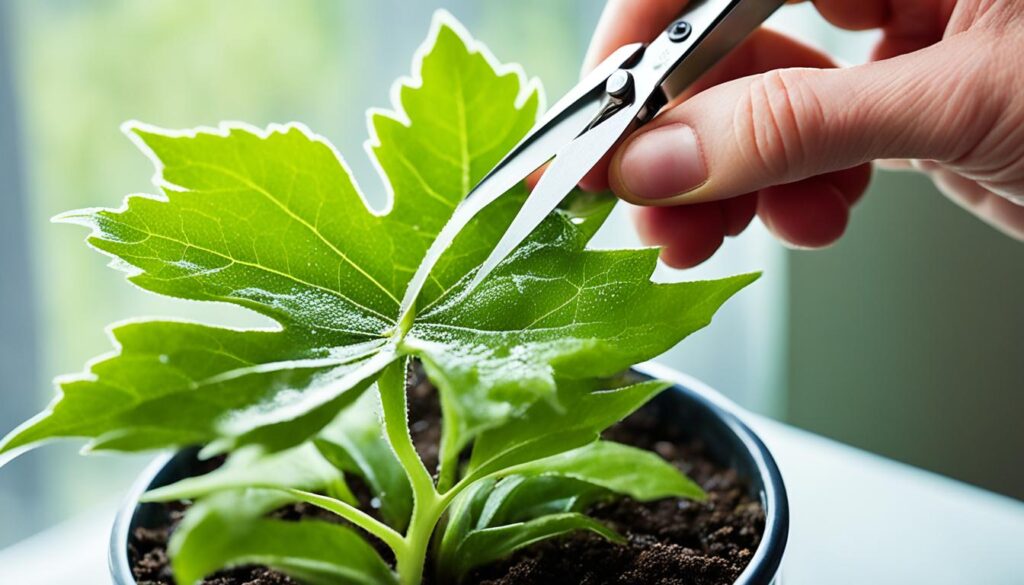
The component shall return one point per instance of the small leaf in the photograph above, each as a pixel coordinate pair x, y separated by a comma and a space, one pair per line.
516, 500
546, 429
302, 468
637, 473
462, 518
491, 544
229, 530
519, 498
355, 442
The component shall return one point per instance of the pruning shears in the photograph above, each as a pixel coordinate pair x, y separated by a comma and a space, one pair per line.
624, 92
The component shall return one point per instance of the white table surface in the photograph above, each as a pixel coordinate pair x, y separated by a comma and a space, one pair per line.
856, 519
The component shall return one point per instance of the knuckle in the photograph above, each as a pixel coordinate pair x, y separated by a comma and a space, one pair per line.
775, 119
986, 117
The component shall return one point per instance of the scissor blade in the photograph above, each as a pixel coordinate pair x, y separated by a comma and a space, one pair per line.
569, 117
565, 121
567, 170
509, 173
530, 156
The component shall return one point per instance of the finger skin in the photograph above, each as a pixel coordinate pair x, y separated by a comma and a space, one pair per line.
763, 51
997, 211
852, 183
791, 124
689, 234
855, 14
908, 25
629, 21
812, 213
808, 214
738, 212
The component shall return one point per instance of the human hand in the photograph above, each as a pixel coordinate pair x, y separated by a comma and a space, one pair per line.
775, 130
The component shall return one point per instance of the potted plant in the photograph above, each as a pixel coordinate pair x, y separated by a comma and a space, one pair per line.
476, 438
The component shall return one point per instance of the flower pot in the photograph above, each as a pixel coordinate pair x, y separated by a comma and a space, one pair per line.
689, 405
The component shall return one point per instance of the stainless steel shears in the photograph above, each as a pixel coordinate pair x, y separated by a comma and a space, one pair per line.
624, 92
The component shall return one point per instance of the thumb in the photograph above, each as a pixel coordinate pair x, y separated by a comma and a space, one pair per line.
791, 124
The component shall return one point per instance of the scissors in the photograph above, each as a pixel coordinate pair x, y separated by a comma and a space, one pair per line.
624, 92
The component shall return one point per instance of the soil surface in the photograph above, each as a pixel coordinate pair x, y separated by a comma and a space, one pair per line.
670, 542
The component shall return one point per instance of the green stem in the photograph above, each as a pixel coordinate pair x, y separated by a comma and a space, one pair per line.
426, 514
411, 559
446, 472
448, 455
396, 426
451, 440
354, 515
427, 503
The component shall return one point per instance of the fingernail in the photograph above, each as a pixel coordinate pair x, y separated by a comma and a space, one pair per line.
663, 163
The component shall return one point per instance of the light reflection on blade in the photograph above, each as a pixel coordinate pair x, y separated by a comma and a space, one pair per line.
526, 158
568, 168
562, 124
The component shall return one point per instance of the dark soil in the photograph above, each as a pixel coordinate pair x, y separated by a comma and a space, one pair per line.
670, 542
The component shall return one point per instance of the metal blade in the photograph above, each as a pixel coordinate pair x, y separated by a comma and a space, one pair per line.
564, 122
569, 167
509, 173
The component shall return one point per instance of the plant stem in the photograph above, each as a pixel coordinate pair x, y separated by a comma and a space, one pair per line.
354, 515
396, 426
411, 559
427, 512
446, 472
427, 503
448, 455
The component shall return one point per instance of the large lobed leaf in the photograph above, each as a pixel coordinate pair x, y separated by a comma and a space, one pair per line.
272, 220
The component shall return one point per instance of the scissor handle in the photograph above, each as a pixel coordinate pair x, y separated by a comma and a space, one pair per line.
703, 34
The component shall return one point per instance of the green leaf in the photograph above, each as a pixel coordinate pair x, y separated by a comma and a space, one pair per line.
521, 505
355, 442
481, 547
176, 384
301, 468
547, 429
512, 504
230, 529
637, 473
462, 518
520, 498
271, 220
553, 310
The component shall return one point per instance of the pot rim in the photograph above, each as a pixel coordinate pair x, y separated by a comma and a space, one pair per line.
764, 566
762, 569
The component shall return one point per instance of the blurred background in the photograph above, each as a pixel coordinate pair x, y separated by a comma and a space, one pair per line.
906, 339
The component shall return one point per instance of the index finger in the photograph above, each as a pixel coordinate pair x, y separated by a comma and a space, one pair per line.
630, 21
